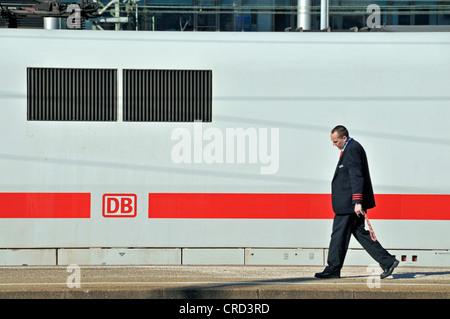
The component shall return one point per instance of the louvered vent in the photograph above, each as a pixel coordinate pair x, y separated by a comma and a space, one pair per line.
167, 95
72, 94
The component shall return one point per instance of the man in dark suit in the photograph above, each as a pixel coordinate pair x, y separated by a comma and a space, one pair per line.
352, 195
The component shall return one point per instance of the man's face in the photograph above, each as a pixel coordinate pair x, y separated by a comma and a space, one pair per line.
339, 142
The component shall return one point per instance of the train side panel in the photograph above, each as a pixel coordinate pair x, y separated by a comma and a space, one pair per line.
279, 94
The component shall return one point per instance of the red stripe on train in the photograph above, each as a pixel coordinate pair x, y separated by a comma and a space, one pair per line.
291, 206
225, 205
45, 205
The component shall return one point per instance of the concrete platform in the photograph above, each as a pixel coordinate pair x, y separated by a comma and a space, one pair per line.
219, 282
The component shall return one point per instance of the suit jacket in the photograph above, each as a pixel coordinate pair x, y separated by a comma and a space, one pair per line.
351, 182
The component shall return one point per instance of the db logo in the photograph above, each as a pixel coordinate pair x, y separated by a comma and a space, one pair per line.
119, 205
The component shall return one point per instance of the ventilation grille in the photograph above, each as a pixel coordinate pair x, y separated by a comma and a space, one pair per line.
72, 94
167, 95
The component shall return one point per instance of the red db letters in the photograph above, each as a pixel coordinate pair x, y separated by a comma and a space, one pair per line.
119, 205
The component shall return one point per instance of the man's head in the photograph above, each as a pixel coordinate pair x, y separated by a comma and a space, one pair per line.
339, 136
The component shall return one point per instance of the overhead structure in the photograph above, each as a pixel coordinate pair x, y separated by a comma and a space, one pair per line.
51, 10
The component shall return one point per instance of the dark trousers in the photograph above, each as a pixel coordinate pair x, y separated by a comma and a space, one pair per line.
343, 227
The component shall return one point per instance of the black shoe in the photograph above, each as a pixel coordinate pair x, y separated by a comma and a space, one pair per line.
326, 275
389, 271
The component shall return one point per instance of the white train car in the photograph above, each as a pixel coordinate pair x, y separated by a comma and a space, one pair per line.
214, 148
